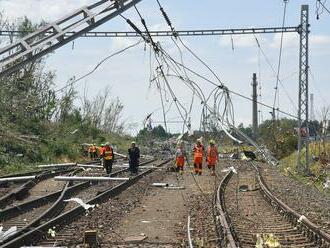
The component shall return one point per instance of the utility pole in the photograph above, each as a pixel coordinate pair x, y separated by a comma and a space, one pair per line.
254, 107
303, 128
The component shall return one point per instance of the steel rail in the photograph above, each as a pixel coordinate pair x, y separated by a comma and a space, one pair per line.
40, 231
66, 192
225, 233
9, 213
21, 192
17, 210
47, 214
310, 229
189, 234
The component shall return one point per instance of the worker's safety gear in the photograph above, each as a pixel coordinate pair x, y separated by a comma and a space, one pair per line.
180, 158
108, 153
198, 158
212, 155
101, 151
180, 162
198, 152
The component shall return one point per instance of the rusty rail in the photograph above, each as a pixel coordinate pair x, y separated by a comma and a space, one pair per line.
40, 231
225, 232
311, 230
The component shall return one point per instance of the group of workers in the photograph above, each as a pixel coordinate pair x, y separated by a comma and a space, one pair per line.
106, 153
211, 156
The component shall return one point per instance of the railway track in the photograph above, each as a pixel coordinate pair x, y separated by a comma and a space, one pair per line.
17, 193
41, 201
20, 192
247, 214
39, 228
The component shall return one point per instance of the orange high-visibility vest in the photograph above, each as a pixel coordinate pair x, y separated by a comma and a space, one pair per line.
212, 155
101, 149
198, 151
180, 155
108, 153
179, 161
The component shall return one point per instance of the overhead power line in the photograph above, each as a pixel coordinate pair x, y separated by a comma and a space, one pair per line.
277, 97
320, 8
74, 81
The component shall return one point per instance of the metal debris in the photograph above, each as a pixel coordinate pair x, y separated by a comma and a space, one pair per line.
51, 232
56, 165
135, 239
160, 184
80, 202
12, 179
231, 168
120, 155
92, 166
175, 187
302, 218
4, 235
167, 186
75, 178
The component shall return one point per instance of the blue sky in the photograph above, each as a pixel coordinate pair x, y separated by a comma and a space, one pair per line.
128, 74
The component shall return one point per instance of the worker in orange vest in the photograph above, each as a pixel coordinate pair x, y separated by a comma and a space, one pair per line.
198, 157
90, 151
108, 158
212, 156
100, 150
180, 157
94, 150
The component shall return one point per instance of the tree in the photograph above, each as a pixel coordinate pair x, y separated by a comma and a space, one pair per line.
246, 130
26, 96
157, 133
103, 112
279, 136
325, 114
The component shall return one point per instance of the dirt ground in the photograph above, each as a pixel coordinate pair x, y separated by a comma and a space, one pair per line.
148, 216
161, 217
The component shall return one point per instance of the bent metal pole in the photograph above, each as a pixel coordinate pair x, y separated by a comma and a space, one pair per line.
15, 179
63, 178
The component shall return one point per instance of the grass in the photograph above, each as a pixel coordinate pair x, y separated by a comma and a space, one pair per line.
318, 172
17, 168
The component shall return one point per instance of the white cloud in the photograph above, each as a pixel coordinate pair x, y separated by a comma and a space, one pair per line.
252, 60
121, 43
320, 40
289, 40
238, 41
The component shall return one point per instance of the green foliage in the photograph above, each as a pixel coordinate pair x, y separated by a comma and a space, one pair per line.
38, 125
246, 130
279, 136
156, 133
